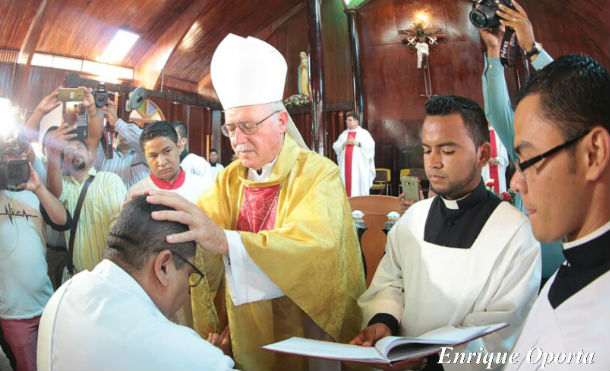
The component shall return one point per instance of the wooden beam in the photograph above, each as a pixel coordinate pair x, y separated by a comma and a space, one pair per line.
28, 48
203, 87
149, 67
318, 126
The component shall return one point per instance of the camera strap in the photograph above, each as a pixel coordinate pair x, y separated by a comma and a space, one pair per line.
508, 48
75, 217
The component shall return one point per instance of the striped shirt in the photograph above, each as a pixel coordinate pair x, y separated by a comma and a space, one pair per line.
100, 209
131, 167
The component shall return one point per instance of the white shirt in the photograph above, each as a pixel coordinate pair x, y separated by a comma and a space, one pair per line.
581, 323
25, 287
363, 161
246, 281
197, 165
191, 189
104, 320
426, 286
214, 170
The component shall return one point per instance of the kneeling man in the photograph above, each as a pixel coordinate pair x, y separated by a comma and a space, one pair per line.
116, 316
462, 258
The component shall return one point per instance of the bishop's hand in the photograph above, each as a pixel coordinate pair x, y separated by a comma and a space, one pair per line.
202, 229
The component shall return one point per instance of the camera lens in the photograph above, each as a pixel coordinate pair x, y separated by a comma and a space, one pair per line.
478, 18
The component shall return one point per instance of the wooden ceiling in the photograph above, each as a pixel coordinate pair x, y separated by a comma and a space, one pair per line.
180, 35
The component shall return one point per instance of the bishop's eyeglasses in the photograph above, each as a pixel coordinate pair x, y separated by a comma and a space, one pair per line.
522, 165
196, 275
246, 127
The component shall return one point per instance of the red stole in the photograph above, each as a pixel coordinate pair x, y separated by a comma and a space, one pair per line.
258, 209
349, 150
493, 169
164, 184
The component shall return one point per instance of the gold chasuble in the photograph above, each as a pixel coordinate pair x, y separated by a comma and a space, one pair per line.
311, 254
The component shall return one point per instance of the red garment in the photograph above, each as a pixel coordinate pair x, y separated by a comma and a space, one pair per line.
493, 169
163, 184
258, 209
349, 151
22, 336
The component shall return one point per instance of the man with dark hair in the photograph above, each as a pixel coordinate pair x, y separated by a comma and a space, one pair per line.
103, 198
463, 248
562, 138
127, 160
190, 162
497, 100
355, 149
116, 316
215, 166
160, 144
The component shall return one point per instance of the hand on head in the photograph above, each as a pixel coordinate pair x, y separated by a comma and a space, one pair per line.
202, 230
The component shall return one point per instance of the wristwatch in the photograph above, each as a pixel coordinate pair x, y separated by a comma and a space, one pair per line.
535, 50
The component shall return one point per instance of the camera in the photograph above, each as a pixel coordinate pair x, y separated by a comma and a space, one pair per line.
14, 172
70, 95
483, 15
100, 96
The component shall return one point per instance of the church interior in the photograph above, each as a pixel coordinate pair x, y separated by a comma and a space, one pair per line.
379, 59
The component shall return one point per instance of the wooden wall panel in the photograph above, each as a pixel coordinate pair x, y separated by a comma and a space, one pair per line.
392, 83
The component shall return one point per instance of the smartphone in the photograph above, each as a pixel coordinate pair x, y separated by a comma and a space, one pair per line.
71, 94
410, 186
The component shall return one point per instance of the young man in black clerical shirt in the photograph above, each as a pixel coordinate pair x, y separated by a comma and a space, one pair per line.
462, 258
562, 125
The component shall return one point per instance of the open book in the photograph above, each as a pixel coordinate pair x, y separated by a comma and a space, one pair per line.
388, 350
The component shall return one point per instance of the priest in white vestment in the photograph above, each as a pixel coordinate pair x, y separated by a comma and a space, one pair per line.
564, 180
116, 316
355, 149
462, 258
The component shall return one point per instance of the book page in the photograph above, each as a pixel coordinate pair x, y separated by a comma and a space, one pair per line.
326, 349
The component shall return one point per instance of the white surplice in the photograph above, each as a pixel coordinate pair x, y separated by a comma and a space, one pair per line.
581, 323
427, 286
104, 320
363, 160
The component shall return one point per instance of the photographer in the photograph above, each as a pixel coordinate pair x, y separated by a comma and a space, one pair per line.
103, 194
128, 160
25, 287
497, 100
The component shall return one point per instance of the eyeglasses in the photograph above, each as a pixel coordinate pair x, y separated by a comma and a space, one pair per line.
196, 275
521, 166
246, 127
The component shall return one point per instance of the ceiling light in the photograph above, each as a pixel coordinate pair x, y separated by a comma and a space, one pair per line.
118, 47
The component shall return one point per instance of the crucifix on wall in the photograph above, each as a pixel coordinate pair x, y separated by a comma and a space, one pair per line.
421, 36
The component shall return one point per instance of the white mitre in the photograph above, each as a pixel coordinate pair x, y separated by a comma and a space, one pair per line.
248, 71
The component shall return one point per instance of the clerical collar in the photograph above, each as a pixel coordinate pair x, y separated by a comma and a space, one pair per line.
479, 194
254, 176
164, 184
591, 236
457, 223
586, 259
183, 155
213, 164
